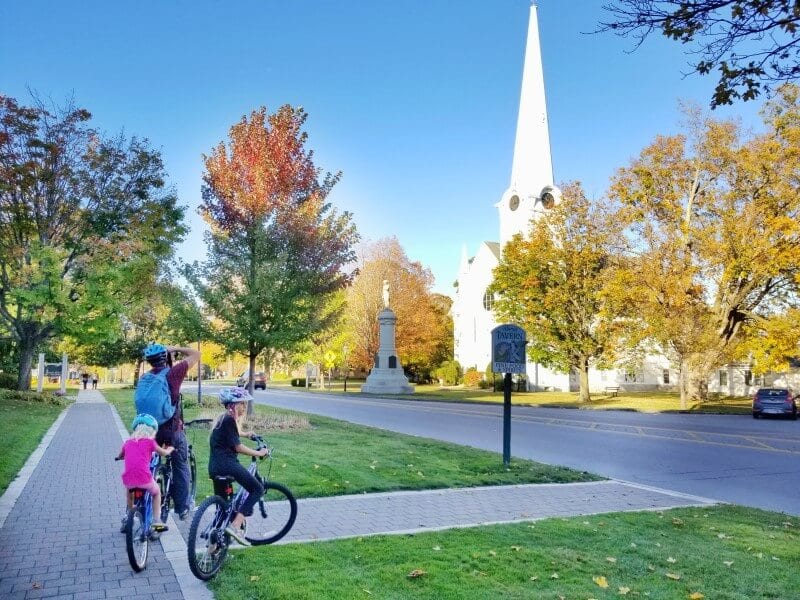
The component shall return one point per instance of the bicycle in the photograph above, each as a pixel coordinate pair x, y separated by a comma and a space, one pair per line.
208, 541
163, 473
138, 523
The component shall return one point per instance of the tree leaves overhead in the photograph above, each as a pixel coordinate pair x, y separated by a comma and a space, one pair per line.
752, 44
85, 223
276, 248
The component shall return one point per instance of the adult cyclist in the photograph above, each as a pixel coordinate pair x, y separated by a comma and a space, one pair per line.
223, 459
171, 432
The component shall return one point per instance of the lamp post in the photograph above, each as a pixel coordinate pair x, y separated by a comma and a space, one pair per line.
345, 350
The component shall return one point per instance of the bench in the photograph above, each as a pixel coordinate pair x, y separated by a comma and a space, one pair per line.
612, 390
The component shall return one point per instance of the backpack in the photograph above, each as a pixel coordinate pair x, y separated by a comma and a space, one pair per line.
152, 396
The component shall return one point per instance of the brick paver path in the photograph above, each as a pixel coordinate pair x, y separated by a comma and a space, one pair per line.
61, 538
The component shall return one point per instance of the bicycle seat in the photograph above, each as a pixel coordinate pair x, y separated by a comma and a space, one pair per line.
224, 478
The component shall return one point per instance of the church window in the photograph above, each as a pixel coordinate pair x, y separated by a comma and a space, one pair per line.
748, 377
723, 378
666, 376
488, 300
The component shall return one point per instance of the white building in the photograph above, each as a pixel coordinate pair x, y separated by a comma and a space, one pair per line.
531, 191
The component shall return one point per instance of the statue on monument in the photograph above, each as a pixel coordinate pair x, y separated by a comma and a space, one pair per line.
385, 293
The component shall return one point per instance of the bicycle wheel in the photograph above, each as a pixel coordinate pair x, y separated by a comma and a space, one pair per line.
275, 517
136, 542
164, 481
207, 544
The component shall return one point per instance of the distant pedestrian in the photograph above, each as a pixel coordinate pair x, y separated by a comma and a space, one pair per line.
94, 381
85, 378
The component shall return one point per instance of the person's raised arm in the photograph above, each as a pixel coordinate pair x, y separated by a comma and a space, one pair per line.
247, 451
190, 355
165, 451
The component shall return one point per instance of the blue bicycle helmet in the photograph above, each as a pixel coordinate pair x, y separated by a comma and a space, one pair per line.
155, 354
233, 395
144, 419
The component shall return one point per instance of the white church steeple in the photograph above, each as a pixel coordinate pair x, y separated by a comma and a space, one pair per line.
532, 169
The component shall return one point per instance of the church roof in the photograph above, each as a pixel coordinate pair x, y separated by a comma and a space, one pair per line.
495, 248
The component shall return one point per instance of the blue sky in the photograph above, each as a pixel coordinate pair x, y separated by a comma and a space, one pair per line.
414, 100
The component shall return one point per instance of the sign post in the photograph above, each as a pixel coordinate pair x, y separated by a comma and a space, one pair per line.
508, 356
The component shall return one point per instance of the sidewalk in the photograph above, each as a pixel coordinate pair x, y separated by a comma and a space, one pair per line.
60, 538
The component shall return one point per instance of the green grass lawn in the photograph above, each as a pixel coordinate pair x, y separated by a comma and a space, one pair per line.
717, 553
637, 401
26, 417
331, 457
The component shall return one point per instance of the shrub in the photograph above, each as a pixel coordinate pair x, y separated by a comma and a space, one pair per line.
449, 372
43, 398
485, 385
299, 382
472, 378
8, 381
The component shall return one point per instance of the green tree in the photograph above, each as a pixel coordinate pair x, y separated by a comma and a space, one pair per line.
753, 44
87, 225
714, 231
550, 283
276, 247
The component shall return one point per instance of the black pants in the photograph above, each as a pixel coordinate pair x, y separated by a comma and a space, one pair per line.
242, 476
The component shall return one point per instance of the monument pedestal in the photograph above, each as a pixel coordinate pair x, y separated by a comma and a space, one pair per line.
387, 375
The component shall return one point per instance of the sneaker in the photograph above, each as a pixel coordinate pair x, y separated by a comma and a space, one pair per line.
184, 514
159, 527
237, 534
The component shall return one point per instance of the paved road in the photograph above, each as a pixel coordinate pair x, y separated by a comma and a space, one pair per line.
732, 458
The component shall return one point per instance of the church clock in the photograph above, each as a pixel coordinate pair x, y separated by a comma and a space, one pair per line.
513, 202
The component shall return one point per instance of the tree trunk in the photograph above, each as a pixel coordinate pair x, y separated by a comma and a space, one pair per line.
583, 374
693, 381
251, 374
136, 372
26, 349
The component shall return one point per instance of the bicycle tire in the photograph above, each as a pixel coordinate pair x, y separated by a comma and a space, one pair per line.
207, 529
164, 481
193, 476
136, 539
278, 511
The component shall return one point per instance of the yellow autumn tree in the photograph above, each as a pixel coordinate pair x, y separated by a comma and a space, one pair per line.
424, 328
713, 257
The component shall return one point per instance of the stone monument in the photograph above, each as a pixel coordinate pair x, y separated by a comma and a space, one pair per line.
387, 375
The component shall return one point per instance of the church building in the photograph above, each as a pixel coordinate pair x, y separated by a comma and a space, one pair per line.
530, 193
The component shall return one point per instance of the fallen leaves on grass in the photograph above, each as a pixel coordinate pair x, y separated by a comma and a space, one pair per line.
696, 596
601, 581
554, 576
727, 563
254, 577
417, 573
623, 590
674, 576
516, 548
671, 560
611, 559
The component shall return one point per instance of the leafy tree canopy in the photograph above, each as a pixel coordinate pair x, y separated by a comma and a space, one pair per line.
550, 283
276, 247
87, 223
714, 232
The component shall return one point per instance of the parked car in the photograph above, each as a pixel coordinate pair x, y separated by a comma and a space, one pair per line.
775, 401
259, 380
